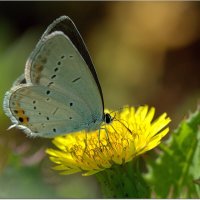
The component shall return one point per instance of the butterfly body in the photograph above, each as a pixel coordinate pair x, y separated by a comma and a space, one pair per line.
59, 92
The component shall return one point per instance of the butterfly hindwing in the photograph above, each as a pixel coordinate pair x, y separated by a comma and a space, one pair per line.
45, 115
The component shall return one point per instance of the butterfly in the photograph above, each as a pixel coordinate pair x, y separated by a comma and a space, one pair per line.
59, 92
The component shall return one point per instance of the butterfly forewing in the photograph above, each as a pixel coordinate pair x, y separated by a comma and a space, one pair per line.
66, 25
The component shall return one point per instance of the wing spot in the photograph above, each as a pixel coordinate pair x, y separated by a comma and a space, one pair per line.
76, 79
62, 57
34, 107
21, 119
34, 101
50, 84
71, 104
56, 69
54, 130
47, 118
39, 113
70, 117
47, 99
53, 76
15, 111
71, 56
38, 67
58, 63
48, 92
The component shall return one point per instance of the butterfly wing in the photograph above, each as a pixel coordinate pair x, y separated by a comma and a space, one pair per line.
66, 25
39, 114
20, 80
61, 94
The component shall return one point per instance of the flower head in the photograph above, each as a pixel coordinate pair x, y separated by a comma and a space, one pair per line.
131, 133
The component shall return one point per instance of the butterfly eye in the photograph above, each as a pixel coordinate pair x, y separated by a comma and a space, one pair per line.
107, 118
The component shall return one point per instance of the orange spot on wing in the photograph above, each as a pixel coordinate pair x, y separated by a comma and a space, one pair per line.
20, 113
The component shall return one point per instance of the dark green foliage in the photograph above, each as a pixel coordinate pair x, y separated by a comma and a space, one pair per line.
176, 172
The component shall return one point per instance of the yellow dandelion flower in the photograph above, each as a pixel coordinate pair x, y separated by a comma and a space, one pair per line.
131, 133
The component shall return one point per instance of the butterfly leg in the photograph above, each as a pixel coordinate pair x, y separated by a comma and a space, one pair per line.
107, 137
106, 134
85, 140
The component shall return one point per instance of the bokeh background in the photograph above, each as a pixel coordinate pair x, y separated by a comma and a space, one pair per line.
144, 53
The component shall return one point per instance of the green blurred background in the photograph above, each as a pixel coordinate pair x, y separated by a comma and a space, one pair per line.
144, 53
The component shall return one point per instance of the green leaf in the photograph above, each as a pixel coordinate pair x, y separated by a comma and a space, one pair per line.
174, 172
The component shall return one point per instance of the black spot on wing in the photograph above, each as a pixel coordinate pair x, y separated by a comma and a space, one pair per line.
50, 84
52, 77
76, 79
48, 92
21, 119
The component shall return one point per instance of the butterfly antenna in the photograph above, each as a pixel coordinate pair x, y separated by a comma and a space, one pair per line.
119, 109
122, 124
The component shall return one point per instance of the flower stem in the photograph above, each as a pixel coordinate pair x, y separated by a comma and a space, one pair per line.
123, 181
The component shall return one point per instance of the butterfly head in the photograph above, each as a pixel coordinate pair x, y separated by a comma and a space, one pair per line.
107, 118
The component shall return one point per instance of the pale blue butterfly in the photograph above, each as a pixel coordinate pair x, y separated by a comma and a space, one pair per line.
59, 92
